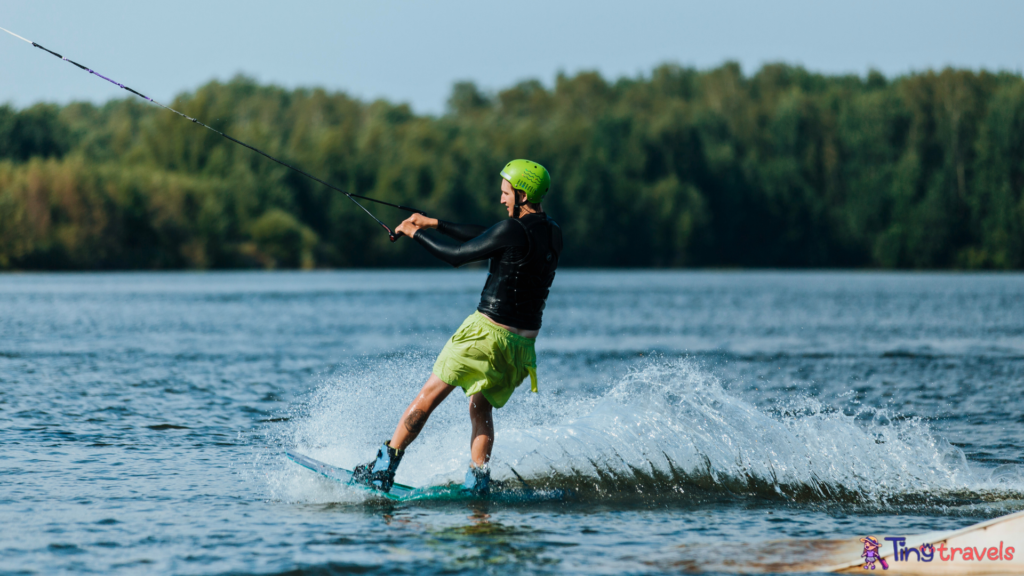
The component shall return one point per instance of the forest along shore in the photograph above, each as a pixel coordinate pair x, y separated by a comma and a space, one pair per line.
681, 167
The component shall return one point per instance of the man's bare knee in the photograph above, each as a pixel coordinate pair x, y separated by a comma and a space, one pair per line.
480, 415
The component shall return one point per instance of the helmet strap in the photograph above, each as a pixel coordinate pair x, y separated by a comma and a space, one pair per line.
515, 209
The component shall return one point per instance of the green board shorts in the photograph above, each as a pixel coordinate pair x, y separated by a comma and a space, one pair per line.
482, 357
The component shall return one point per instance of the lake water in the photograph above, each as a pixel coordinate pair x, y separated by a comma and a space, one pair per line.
692, 415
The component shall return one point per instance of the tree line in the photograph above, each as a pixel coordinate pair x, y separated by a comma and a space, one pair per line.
681, 167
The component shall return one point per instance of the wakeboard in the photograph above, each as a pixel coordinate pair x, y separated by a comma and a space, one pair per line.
500, 491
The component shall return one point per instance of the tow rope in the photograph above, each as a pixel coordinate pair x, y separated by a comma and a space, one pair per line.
392, 235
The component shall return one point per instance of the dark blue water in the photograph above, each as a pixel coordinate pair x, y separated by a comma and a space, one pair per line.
143, 418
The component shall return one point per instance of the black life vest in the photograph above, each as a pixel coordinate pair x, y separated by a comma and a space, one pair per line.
519, 280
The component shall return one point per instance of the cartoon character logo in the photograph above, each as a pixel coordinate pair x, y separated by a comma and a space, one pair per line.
871, 554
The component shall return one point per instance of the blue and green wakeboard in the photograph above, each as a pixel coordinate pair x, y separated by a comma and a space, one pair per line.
500, 490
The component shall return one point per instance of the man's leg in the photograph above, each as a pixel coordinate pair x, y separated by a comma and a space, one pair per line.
431, 395
380, 473
483, 429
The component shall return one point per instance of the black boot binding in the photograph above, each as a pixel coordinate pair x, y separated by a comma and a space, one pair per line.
379, 474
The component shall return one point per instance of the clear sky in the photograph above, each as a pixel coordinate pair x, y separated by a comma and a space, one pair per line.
412, 51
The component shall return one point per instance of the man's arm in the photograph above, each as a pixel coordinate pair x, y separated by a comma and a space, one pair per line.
504, 234
461, 232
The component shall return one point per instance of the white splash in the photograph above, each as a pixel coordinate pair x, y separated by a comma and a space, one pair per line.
668, 427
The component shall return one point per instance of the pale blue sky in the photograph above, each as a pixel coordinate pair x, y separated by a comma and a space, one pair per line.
413, 51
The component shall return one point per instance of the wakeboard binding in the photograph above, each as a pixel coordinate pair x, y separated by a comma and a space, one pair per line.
478, 480
379, 474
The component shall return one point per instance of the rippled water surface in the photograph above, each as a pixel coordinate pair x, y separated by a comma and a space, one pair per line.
143, 418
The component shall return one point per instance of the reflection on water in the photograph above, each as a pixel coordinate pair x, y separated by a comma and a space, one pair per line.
486, 543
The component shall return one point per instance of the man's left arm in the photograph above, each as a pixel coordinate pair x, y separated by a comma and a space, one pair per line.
504, 234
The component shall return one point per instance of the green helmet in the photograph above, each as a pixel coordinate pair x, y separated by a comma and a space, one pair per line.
529, 177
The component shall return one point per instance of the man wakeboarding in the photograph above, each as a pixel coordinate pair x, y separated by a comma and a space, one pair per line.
492, 353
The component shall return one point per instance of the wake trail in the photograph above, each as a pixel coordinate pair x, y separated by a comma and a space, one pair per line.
665, 431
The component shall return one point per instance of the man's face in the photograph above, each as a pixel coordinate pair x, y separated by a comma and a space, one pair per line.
508, 196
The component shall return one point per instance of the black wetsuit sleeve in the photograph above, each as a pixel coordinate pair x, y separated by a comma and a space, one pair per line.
491, 242
461, 232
